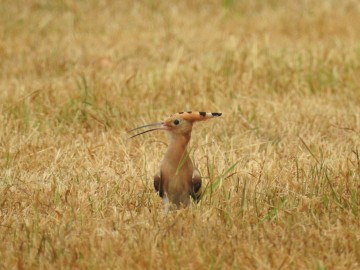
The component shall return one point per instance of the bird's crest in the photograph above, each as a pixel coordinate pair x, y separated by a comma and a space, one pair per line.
188, 116
196, 116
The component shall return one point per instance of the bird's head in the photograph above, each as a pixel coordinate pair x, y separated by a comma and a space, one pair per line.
178, 124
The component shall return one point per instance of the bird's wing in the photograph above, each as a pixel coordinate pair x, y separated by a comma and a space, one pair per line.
195, 190
158, 184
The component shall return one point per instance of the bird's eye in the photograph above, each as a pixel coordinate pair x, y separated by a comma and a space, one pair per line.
176, 122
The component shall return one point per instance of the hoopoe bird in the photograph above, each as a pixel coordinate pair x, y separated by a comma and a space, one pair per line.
177, 179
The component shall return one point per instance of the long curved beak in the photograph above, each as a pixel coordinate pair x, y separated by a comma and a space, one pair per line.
148, 125
160, 124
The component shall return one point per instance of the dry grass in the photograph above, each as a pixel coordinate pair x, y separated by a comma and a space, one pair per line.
75, 75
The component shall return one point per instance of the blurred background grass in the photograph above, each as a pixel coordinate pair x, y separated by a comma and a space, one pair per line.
75, 75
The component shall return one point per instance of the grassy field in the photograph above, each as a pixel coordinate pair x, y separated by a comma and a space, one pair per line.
76, 75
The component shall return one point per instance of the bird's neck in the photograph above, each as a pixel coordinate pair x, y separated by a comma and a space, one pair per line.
177, 148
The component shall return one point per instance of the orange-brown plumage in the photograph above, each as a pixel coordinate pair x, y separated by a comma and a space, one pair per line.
178, 179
